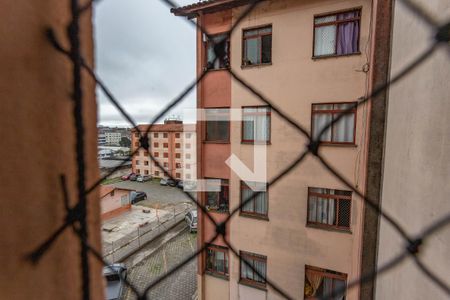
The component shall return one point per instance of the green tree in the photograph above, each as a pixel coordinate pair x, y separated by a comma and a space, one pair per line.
125, 142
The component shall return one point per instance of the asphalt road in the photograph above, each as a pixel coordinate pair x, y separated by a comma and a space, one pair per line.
157, 195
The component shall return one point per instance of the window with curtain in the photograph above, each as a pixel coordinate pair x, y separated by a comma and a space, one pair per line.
324, 284
217, 125
219, 43
337, 34
256, 124
250, 263
340, 132
218, 201
217, 260
329, 208
257, 46
259, 204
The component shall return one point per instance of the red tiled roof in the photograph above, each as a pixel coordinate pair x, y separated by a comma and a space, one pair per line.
209, 6
166, 128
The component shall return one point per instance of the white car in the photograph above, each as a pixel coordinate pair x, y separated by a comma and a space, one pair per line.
191, 220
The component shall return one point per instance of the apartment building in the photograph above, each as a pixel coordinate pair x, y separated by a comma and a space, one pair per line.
313, 60
172, 144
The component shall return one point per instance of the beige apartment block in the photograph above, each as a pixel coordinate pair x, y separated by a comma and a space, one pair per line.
312, 59
172, 144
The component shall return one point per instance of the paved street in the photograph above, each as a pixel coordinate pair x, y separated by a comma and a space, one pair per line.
157, 195
165, 255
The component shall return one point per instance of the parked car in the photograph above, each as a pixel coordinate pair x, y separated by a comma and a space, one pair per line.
189, 185
191, 220
180, 184
138, 196
114, 275
127, 177
133, 177
163, 182
171, 182
143, 178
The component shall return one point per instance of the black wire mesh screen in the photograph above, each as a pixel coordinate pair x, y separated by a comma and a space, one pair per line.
76, 215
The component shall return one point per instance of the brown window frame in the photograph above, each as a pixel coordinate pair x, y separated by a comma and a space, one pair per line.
333, 112
268, 113
165, 145
224, 183
156, 154
146, 172
212, 271
226, 64
136, 162
166, 155
178, 165
330, 274
165, 135
253, 257
177, 175
336, 23
258, 35
205, 137
338, 199
165, 164
156, 173
145, 162
155, 135
177, 155
177, 135
156, 144
244, 186
177, 145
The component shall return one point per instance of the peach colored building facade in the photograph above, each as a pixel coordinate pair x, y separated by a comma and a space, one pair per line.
172, 144
114, 201
287, 242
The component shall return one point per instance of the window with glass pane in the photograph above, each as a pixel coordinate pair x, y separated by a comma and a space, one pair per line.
337, 34
253, 268
217, 125
218, 201
340, 132
218, 44
330, 208
256, 124
257, 192
257, 46
217, 260
324, 284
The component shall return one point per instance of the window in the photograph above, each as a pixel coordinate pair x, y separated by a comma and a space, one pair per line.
256, 124
156, 154
177, 135
337, 34
222, 44
217, 125
165, 135
145, 153
156, 173
188, 155
341, 132
188, 146
330, 208
177, 155
178, 165
145, 162
146, 172
166, 155
218, 201
166, 165
137, 162
257, 46
188, 176
178, 175
217, 260
136, 135
156, 145
188, 135
324, 284
177, 145
166, 145
248, 275
138, 171
258, 205
188, 166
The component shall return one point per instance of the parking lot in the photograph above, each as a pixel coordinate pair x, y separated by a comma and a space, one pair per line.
157, 196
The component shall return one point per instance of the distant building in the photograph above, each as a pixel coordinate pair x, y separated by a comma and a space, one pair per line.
101, 139
111, 136
114, 201
172, 144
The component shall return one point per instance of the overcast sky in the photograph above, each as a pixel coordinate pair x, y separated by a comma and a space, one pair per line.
145, 55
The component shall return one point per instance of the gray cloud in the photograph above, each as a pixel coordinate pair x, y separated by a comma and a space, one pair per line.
145, 55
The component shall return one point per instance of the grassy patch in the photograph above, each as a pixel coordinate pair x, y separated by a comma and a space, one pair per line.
111, 180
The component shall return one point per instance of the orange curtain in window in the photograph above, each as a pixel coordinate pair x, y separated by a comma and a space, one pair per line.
315, 279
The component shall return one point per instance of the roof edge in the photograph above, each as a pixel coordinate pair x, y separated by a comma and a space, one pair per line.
207, 7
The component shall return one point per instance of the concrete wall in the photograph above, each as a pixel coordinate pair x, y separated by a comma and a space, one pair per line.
38, 138
417, 155
112, 202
